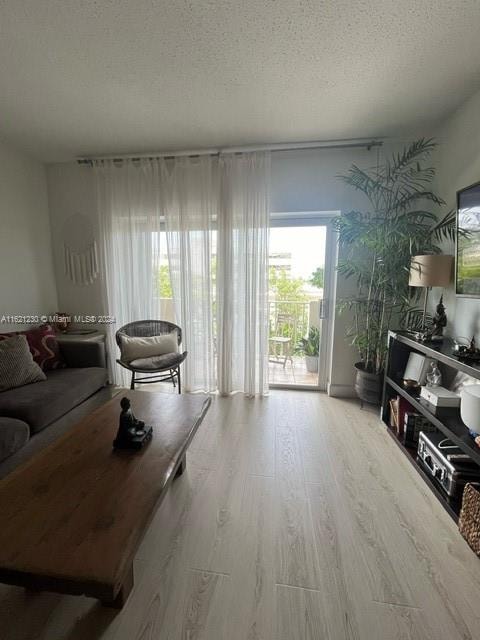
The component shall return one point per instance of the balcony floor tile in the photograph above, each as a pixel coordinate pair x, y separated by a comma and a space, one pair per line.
292, 373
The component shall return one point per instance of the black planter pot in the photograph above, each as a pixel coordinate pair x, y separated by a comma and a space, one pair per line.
368, 386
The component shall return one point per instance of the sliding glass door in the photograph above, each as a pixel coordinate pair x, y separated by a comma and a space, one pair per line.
301, 259
300, 283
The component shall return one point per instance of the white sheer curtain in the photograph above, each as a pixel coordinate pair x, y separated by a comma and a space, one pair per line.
192, 186
192, 195
242, 278
129, 208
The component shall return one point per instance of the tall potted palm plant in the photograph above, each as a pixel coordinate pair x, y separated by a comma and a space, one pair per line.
376, 246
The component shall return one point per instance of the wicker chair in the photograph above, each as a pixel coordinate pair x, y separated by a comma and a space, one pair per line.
154, 367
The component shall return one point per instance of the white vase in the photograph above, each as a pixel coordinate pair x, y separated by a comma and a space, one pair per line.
311, 363
470, 408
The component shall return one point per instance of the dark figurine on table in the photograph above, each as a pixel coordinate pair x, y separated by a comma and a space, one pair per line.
439, 322
132, 433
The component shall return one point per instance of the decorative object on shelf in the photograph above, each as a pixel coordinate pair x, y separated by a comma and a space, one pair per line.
63, 321
466, 350
376, 246
460, 381
434, 375
80, 250
469, 521
413, 423
460, 344
411, 385
439, 322
394, 402
427, 271
440, 397
470, 408
132, 433
417, 368
468, 242
403, 407
450, 468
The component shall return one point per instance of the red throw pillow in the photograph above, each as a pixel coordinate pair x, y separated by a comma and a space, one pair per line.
43, 345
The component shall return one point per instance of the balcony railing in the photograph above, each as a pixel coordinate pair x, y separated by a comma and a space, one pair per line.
287, 318
292, 319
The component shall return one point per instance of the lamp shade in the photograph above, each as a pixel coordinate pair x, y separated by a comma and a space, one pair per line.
470, 407
431, 271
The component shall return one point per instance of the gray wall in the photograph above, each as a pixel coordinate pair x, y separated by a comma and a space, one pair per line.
27, 279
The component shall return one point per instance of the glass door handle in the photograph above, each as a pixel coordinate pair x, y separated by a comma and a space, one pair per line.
322, 310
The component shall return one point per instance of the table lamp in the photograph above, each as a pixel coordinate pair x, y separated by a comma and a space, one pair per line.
428, 271
470, 408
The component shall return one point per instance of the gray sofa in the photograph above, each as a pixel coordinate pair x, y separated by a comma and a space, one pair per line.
36, 414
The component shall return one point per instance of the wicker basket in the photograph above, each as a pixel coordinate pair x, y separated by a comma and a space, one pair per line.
469, 521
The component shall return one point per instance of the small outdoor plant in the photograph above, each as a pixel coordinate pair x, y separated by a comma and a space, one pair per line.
310, 345
376, 245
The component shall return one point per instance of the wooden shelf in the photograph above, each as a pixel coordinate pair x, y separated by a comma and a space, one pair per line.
446, 419
452, 507
441, 352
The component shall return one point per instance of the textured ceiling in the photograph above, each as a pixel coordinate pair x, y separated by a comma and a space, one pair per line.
112, 76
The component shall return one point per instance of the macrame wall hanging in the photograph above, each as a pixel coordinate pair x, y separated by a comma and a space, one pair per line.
80, 250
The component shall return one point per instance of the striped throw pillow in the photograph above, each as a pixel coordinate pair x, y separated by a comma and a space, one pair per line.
17, 366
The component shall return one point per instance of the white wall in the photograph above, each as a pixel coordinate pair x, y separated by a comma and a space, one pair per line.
458, 165
301, 181
27, 277
71, 191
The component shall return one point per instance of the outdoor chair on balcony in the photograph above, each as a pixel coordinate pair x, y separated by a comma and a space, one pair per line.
154, 368
280, 345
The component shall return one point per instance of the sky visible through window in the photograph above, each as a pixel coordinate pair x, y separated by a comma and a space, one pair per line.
297, 251
306, 245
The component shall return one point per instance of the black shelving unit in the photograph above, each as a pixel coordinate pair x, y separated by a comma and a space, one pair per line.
446, 420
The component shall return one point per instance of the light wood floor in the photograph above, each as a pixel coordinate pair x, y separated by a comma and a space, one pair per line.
297, 519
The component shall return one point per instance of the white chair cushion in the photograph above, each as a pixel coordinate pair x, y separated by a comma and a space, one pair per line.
133, 348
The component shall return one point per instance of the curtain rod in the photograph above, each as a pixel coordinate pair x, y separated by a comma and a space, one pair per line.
281, 146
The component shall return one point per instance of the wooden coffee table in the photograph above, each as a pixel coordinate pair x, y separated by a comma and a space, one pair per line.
73, 516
